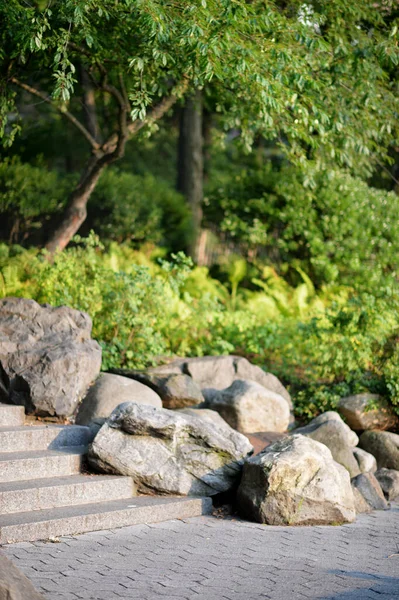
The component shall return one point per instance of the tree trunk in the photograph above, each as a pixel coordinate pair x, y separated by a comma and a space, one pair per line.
89, 105
191, 164
102, 156
76, 210
207, 141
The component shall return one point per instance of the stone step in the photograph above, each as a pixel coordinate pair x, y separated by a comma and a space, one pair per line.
41, 494
42, 437
47, 524
11, 415
19, 466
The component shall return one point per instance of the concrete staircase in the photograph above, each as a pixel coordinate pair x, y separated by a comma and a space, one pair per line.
44, 494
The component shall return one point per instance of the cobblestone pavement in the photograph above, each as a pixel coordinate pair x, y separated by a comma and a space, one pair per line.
220, 559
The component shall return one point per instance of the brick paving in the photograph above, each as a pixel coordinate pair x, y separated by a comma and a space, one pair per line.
208, 558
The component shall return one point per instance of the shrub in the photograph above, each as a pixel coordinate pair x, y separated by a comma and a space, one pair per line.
123, 207
339, 230
29, 195
138, 208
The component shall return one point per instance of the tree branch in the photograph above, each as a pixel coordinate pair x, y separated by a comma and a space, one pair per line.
123, 134
154, 115
61, 109
123, 88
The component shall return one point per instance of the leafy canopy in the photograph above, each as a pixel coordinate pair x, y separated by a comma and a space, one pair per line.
313, 76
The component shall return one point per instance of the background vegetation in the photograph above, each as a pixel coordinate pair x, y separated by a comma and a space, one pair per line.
275, 170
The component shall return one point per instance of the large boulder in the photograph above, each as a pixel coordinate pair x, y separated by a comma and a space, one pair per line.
384, 445
296, 482
389, 482
249, 407
166, 452
370, 489
175, 389
330, 430
216, 372
48, 359
367, 411
108, 392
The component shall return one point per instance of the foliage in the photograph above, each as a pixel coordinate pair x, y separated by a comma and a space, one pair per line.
138, 209
28, 196
18, 268
350, 349
315, 77
125, 207
341, 230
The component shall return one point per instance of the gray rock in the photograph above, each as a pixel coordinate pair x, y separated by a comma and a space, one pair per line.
14, 585
95, 426
330, 430
246, 370
248, 407
361, 505
166, 452
178, 391
207, 414
295, 481
175, 389
365, 460
218, 372
370, 489
47, 356
368, 411
108, 392
389, 482
350, 438
384, 445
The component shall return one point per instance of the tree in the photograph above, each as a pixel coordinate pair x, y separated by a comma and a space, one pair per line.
310, 75
190, 163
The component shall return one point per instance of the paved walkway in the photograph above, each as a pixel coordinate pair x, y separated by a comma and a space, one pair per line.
219, 559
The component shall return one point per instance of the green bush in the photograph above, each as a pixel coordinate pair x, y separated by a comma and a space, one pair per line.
139, 208
123, 207
338, 230
130, 310
29, 195
350, 349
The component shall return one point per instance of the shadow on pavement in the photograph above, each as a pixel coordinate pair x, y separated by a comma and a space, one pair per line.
379, 585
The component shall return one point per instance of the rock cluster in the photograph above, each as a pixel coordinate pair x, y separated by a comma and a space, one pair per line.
179, 428
246, 397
